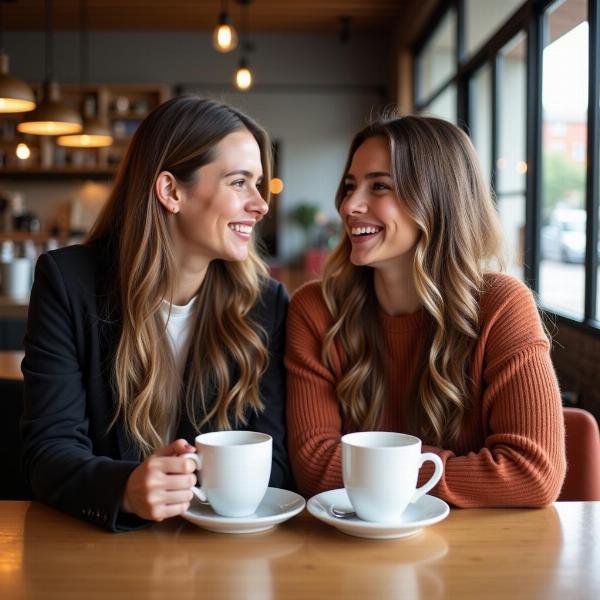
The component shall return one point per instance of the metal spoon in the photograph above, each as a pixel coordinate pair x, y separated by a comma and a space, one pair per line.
341, 513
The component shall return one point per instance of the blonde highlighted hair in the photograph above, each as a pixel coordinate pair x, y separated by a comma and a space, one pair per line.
438, 180
180, 137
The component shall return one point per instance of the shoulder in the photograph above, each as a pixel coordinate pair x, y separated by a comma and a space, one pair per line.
79, 258
502, 292
510, 317
271, 308
499, 288
308, 305
80, 271
310, 295
273, 292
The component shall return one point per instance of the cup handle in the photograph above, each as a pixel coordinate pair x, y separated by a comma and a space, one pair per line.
437, 474
197, 490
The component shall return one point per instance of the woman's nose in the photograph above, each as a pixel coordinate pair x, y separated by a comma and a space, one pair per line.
257, 205
354, 204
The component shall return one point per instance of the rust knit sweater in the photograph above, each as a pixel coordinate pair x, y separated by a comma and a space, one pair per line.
511, 451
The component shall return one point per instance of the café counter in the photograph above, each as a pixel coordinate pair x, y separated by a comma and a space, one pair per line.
546, 553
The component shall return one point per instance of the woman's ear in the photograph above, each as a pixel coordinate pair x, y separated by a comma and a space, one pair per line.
167, 192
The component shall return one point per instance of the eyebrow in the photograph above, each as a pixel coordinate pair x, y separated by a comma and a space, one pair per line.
372, 175
240, 172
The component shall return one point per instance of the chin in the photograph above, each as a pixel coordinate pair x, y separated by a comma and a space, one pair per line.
359, 261
238, 256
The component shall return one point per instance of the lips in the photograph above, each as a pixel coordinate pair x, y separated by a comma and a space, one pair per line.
363, 232
242, 229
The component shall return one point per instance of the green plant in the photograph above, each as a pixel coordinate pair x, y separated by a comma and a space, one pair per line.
304, 215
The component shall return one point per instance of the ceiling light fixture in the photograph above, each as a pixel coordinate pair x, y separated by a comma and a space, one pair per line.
23, 152
95, 132
51, 117
15, 95
224, 35
243, 75
244, 79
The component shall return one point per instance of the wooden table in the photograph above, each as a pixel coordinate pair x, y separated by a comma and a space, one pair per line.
10, 365
492, 553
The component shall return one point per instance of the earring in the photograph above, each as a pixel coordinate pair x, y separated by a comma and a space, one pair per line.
175, 210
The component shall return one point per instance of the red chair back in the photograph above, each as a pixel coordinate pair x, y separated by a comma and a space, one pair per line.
583, 456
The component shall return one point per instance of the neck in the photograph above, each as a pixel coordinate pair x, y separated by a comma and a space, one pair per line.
189, 278
191, 269
395, 289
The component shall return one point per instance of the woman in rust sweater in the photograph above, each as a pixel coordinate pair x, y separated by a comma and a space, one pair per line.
412, 330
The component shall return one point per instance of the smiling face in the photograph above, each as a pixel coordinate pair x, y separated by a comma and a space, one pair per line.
219, 211
381, 231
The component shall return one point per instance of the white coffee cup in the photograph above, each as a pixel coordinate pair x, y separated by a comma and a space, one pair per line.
380, 471
234, 468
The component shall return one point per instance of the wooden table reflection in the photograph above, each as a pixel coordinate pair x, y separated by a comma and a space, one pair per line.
516, 553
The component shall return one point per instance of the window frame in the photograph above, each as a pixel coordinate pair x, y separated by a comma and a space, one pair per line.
529, 19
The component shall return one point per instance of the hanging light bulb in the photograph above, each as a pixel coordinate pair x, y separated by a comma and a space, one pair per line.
51, 117
95, 132
23, 152
15, 95
224, 35
244, 79
243, 76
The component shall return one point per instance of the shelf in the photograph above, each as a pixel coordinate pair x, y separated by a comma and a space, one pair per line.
127, 116
37, 174
95, 101
38, 236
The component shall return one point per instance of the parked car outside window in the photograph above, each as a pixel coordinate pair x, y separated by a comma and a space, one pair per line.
564, 237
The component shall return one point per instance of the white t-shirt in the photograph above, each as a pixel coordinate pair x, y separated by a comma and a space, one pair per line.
179, 322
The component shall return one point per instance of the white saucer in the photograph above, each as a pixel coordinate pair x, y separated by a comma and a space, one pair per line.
425, 511
276, 507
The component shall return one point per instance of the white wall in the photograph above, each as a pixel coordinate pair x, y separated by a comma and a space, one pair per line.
312, 93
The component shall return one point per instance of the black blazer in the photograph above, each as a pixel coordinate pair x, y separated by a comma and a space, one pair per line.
71, 457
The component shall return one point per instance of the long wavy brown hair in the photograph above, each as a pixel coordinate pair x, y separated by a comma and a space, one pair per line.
438, 180
179, 136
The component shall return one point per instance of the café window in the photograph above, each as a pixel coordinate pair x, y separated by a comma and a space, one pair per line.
564, 140
436, 63
483, 18
519, 87
481, 117
443, 106
511, 162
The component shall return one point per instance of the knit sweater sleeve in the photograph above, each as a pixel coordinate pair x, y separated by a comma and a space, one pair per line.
313, 416
522, 462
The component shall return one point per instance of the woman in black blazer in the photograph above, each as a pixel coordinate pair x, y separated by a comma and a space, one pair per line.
162, 325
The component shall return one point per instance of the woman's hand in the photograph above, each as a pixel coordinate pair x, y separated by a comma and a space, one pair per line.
161, 486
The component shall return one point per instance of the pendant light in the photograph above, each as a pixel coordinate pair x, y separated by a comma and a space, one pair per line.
244, 78
15, 95
51, 117
224, 35
95, 132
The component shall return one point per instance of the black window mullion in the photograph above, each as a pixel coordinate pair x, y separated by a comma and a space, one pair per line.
462, 84
461, 44
591, 255
535, 48
495, 91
